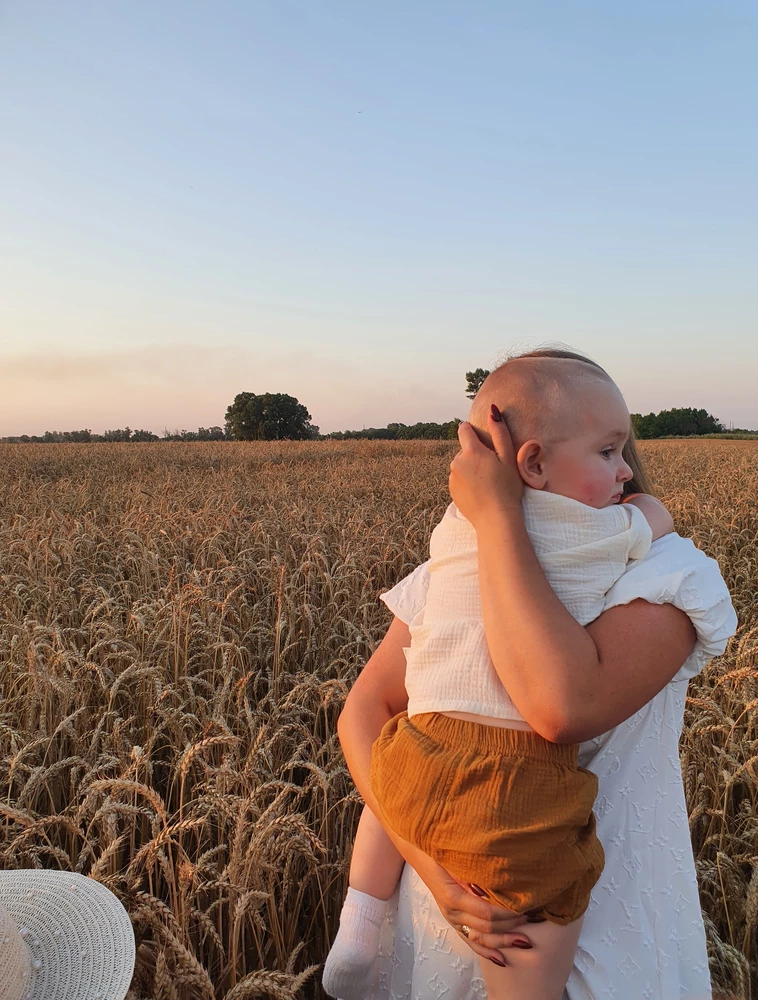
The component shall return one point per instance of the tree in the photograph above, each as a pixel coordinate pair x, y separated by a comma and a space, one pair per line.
681, 422
474, 381
402, 432
272, 416
210, 433
121, 434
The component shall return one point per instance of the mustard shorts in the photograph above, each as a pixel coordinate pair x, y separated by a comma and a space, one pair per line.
502, 808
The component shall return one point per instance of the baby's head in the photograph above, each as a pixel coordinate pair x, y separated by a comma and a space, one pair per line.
569, 424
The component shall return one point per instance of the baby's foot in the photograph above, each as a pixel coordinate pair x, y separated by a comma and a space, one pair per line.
350, 962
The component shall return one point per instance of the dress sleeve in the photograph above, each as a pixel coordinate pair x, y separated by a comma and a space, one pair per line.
406, 599
676, 572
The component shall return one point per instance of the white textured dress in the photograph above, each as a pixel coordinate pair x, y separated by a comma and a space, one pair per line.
643, 933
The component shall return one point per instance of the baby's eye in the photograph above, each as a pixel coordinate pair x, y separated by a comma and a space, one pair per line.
607, 451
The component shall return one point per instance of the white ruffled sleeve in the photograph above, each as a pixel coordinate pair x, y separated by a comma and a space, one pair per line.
407, 598
676, 572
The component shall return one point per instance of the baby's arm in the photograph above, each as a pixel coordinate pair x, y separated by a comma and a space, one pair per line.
659, 519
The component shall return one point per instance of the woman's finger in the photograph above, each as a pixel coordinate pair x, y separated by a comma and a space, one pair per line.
465, 898
496, 942
494, 950
486, 953
488, 927
468, 438
502, 441
481, 915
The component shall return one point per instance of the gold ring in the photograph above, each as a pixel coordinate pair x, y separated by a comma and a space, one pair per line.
465, 930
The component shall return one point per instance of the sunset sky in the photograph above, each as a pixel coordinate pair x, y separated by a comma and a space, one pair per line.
356, 203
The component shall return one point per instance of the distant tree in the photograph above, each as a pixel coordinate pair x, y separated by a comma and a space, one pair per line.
474, 381
201, 434
451, 429
210, 433
401, 432
117, 435
57, 437
143, 436
271, 416
682, 422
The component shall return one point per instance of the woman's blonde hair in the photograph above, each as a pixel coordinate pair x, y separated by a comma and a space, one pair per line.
640, 482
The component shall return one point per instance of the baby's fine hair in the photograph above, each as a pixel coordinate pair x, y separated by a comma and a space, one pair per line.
536, 394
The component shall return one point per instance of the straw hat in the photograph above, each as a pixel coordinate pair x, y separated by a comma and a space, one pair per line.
62, 937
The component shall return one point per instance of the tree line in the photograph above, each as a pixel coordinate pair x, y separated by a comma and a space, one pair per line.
277, 416
400, 432
119, 435
683, 422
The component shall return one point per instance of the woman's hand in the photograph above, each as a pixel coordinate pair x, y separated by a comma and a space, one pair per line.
492, 928
483, 477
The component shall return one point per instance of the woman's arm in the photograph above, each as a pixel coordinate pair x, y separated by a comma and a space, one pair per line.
377, 696
568, 681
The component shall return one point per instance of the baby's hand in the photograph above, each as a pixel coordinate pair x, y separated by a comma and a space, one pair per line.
657, 516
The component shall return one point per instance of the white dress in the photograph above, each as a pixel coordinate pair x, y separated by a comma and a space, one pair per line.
643, 934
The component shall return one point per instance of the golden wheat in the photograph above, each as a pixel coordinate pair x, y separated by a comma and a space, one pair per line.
181, 624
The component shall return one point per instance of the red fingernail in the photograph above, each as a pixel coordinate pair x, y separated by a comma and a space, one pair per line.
521, 943
477, 890
495, 413
497, 962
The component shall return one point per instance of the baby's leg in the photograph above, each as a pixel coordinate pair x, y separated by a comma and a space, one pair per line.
376, 865
375, 870
540, 973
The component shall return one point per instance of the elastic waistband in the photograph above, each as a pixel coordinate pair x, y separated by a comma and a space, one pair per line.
460, 734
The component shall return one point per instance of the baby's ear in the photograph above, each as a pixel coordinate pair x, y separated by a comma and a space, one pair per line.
529, 461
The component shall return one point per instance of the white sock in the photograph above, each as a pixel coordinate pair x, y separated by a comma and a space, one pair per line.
351, 960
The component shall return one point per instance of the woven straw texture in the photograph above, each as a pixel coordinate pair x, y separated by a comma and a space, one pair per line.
77, 935
15, 961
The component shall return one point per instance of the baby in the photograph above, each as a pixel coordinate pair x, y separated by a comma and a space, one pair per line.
461, 774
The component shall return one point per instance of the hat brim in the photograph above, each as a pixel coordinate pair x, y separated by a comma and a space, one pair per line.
78, 931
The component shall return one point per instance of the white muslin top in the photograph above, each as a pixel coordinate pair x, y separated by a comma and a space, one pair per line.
583, 552
643, 934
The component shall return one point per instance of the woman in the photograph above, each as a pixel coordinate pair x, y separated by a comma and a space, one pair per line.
618, 686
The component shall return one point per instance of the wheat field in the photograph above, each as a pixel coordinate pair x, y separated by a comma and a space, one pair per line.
180, 626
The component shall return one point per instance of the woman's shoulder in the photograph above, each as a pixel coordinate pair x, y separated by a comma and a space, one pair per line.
675, 571
671, 558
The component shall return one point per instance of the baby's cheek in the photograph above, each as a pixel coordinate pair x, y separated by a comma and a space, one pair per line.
589, 493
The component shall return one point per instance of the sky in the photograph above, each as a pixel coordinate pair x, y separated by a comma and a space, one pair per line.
357, 203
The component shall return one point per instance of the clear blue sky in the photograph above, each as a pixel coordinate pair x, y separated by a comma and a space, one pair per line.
355, 203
